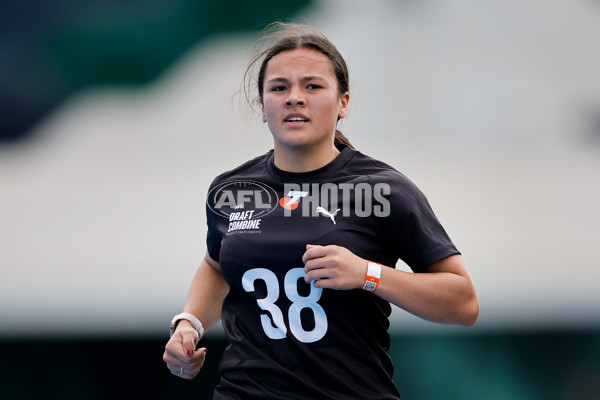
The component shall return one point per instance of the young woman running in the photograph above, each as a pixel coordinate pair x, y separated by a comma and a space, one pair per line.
301, 247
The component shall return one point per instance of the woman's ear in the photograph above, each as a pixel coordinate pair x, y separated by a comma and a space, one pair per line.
264, 116
344, 105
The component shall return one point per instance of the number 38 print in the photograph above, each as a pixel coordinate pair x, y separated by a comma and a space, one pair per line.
274, 326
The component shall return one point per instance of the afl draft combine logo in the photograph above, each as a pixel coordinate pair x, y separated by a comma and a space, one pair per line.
243, 203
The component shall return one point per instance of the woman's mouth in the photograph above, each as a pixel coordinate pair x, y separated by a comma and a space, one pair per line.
295, 118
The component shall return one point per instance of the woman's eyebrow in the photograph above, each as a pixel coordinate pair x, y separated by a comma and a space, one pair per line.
285, 80
311, 78
278, 80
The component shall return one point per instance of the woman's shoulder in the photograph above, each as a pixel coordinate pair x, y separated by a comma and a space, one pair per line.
246, 170
403, 193
375, 169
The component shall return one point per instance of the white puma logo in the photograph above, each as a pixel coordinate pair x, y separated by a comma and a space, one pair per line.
326, 213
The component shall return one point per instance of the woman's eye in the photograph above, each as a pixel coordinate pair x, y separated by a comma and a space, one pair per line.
313, 86
278, 88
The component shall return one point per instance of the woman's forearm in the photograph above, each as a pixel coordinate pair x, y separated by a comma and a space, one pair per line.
206, 294
445, 293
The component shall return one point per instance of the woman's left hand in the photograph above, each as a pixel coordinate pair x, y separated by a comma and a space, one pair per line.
333, 267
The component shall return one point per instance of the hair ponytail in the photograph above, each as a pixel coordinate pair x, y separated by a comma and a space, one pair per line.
340, 139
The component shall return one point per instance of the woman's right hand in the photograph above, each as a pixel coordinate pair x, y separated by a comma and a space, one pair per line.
181, 355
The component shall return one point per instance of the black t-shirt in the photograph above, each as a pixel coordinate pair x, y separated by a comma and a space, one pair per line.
288, 339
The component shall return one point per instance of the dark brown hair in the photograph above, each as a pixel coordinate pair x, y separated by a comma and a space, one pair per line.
280, 36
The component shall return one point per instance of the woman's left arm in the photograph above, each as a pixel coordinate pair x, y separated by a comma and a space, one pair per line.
444, 293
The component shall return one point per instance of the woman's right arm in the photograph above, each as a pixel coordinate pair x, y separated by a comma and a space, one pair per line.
205, 300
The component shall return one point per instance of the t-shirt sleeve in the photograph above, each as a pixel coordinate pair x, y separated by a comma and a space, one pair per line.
414, 233
213, 235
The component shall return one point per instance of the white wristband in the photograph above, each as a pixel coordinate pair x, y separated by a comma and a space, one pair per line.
192, 319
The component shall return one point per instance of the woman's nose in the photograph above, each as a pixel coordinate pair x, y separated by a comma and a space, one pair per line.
295, 99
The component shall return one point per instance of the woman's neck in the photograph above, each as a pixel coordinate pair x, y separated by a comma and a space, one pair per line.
303, 159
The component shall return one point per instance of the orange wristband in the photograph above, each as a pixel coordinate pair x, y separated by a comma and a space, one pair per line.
373, 276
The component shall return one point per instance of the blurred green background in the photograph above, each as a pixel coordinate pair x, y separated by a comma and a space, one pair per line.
431, 366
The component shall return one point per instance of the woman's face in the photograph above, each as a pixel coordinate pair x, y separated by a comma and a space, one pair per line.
301, 103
